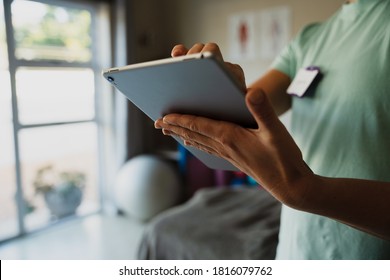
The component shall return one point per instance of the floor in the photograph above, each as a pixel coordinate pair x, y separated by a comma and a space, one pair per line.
95, 237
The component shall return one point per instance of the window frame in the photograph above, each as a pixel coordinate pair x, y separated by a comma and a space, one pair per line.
103, 113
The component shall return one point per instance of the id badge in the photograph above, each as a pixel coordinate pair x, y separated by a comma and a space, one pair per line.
303, 80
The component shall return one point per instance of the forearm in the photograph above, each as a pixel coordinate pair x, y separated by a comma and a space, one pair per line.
275, 91
362, 204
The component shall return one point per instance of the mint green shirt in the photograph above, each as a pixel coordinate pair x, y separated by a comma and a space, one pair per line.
343, 126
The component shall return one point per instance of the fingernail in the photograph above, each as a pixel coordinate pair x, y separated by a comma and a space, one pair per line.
166, 132
176, 53
167, 120
157, 124
187, 143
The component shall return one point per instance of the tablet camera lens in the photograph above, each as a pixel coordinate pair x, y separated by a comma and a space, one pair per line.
110, 79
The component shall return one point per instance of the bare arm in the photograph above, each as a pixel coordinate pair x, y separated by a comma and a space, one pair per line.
363, 204
274, 84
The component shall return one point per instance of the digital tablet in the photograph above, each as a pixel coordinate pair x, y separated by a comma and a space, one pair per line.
196, 84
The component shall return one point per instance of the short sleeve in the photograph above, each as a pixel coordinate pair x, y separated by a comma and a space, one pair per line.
290, 59
286, 61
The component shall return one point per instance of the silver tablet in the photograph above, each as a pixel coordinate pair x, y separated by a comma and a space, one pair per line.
196, 84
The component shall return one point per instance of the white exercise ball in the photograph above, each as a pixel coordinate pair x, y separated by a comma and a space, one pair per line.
145, 186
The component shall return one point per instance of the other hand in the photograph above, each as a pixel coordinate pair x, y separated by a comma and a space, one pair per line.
235, 69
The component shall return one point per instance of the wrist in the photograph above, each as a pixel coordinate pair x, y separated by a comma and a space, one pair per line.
303, 190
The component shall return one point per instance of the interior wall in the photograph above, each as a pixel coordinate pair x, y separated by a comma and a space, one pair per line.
150, 23
158, 25
146, 40
207, 21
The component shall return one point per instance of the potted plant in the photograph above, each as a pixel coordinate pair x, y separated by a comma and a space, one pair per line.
62, 191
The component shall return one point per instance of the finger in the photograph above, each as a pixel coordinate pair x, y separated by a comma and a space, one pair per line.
207, 127
201, 147
158, 123
197, 48
179, 50
186, 134
192, 139
214, 49
239, 73
261, 109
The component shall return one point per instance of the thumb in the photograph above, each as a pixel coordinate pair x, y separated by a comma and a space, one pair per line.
261, 109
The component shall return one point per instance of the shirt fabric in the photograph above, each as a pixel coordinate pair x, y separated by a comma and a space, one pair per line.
342, 126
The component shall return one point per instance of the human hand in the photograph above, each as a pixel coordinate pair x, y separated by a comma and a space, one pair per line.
235, 69
267, 153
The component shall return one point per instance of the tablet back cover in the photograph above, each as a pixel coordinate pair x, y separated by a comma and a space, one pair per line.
196, 85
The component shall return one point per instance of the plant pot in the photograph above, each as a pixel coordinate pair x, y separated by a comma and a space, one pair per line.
63, 200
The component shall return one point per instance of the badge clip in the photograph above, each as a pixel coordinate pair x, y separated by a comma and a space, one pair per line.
303, 80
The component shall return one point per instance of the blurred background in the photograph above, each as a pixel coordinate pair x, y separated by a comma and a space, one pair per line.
68, 140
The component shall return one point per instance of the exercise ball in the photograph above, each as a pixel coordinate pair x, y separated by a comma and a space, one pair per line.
145, 186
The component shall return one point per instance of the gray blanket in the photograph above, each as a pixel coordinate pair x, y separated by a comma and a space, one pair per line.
216, 223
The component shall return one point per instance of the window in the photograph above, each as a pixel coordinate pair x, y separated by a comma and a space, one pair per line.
49, 106
8, 213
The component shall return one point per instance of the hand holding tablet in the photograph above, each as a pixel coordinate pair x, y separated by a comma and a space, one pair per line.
198, 84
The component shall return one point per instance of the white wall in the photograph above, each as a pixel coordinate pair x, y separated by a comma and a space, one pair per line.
194, 21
